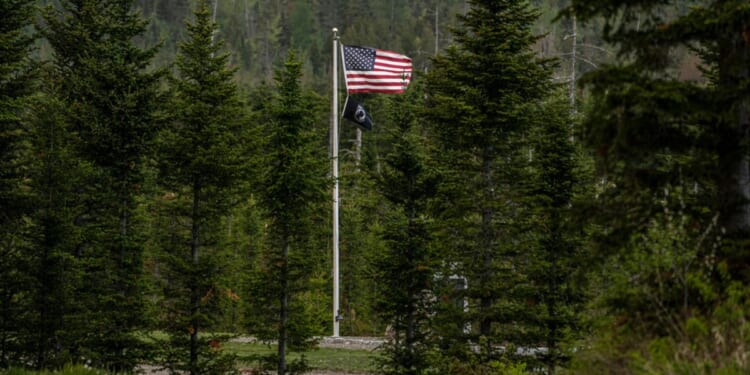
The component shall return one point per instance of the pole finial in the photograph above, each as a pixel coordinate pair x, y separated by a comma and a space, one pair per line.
335, 30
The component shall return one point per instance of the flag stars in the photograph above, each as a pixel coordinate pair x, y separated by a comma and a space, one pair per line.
359, 58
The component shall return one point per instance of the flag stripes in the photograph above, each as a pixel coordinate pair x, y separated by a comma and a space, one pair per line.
374, 70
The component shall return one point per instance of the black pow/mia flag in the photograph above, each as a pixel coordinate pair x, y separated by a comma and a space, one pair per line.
355, 112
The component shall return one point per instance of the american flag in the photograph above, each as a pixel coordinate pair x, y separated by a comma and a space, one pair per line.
374, 70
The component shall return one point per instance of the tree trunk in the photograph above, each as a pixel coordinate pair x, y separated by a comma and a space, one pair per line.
413, 299
573, 57
283, 308
358, 150
552, 293
487, 243
43, 332
194, 292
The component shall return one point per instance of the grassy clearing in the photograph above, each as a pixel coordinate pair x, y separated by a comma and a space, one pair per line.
68, 370
344, 360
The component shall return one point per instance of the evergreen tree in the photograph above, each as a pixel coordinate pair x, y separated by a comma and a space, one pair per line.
653, 130
113, 104
481, 93
202, 167
361, 222
55, 175
556, 246
291, 190
404, 270
673, 159
359, 245
16, 83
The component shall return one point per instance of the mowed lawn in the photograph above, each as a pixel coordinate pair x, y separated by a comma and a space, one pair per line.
343, 360
354, 361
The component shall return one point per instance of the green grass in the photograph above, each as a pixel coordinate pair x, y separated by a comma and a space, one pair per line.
344, 360
358, 361
68, 370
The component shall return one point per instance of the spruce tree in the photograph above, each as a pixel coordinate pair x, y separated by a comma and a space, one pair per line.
673, 160
201, 166
360, 242
113, 103
361, 220
55, 177
16, 84
290, 193
653, 130
480, 93
555, 242
405, 269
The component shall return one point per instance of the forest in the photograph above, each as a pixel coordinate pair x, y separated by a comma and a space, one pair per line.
563, 186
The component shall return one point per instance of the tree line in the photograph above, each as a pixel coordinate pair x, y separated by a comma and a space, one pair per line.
498, 219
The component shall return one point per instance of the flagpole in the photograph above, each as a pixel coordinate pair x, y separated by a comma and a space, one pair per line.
335, 175
358, 149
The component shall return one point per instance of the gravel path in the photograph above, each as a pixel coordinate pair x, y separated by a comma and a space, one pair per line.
348, 342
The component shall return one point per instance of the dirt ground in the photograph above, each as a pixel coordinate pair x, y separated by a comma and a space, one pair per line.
344, 342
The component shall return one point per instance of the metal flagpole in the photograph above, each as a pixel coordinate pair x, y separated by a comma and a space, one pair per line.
335, 175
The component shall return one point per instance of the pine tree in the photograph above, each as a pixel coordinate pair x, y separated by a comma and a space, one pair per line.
359, 244
202, 167
55, 176
653, 130
405, 269
556, 244
16, 84
673, 160
291, 191
113, 104
361, 222
480, 95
